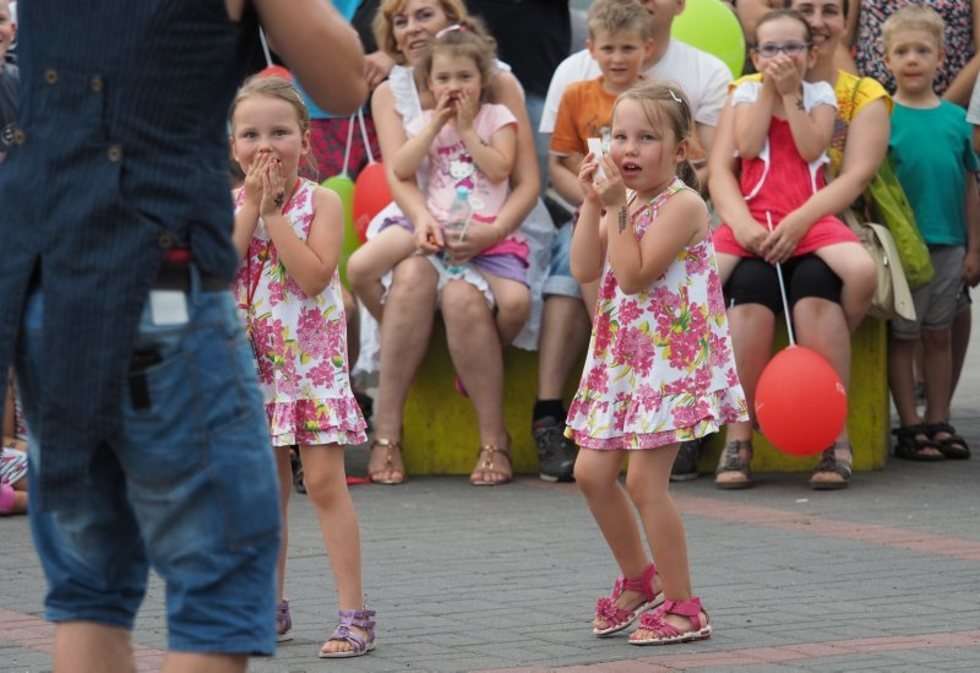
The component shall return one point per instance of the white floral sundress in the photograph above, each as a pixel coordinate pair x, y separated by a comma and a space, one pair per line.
299, 342
660, 368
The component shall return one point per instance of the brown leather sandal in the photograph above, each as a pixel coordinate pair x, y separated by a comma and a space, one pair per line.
392, 448
485, 463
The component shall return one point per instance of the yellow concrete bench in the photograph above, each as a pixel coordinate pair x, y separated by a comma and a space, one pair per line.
440, 433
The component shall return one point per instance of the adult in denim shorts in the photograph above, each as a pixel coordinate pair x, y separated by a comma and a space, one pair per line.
148, 445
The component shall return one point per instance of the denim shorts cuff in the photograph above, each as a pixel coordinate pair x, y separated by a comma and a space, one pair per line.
564, 286
250, 647
99, 616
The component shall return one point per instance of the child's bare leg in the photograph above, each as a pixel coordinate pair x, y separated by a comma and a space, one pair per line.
937, 357
597, 476
20, 496
284, 469
373, 260
326, 485
513, 306
647, 480
852, 263
726, 264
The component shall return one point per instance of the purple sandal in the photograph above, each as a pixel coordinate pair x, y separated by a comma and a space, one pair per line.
618, 618
360, 645
284, 623
665, 633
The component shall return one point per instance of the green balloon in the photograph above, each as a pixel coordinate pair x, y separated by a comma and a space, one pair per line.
711, 26
343, 186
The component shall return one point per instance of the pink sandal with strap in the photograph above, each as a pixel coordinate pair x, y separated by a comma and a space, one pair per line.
618, 618
664, 633
360, 645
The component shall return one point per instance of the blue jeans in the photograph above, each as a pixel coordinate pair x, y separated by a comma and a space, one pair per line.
560, 280
188, 488
535, 108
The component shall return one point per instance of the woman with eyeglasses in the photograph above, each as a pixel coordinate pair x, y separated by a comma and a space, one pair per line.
858, 144
783, 128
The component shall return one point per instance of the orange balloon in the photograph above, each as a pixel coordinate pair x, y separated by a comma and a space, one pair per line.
800, 402
371, 195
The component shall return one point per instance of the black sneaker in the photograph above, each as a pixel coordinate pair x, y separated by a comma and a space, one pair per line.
556, 453
686, 464
366, 404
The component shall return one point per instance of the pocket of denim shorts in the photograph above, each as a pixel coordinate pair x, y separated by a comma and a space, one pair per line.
244, 471
224, 368
162, 421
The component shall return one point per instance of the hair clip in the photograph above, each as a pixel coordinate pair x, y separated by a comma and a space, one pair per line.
673, 95
449, 29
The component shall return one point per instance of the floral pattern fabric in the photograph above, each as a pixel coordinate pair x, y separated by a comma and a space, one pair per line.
960, 41
299, 342
660, 368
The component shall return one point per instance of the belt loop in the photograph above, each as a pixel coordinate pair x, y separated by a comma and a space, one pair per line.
194, 292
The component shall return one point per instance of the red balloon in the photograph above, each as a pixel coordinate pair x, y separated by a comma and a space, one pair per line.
800, 402
276, 71
371, 195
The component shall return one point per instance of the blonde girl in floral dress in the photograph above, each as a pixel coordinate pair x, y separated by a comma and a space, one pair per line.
660, 369
288, 231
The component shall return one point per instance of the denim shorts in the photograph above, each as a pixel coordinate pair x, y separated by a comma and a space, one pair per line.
188, 488
560, 280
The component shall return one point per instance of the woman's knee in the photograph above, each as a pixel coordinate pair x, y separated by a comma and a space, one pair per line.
513, 302
413, 278
464, 303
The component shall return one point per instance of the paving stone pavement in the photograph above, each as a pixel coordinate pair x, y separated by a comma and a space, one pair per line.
881, 578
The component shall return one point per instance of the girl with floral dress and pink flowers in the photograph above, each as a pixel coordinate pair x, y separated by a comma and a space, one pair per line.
660, 369
288, 231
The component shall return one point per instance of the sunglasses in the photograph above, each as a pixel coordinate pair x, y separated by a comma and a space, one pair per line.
770, 49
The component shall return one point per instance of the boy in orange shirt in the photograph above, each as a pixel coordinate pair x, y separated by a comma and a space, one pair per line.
620, 42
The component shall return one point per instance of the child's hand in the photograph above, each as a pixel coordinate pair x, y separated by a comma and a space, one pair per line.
273, 188
445, 110
782, 241
971, 269
428, 234
784, 75
253, 179
586, 178
479, 237
611, 190
466, 109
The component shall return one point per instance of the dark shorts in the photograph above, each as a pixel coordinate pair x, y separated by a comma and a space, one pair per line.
755, 281
188, 488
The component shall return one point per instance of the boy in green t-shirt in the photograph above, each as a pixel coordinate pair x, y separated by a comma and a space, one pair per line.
932, 152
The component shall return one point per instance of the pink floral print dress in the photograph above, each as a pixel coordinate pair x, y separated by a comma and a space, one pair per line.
660, 368
299, 342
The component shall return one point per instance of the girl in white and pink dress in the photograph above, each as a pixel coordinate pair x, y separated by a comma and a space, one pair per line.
660, 369
288, 231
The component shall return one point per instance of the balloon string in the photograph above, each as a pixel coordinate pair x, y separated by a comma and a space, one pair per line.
265, 48
350, 141
782, 291
364, 136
